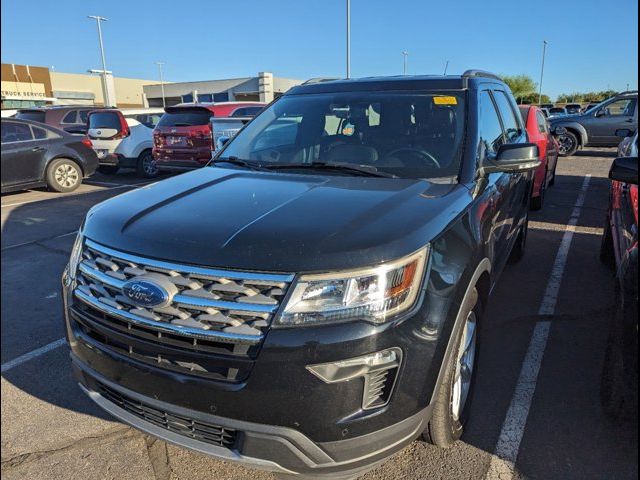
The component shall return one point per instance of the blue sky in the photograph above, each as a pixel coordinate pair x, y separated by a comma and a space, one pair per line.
593, 44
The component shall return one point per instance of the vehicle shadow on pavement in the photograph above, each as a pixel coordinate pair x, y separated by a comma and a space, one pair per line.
596, 153
567, 434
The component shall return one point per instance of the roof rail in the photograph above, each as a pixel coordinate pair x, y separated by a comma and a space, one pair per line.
481, 73
319, 79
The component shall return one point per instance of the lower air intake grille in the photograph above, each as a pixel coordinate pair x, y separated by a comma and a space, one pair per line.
188, 427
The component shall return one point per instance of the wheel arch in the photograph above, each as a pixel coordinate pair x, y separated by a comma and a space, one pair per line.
577, 129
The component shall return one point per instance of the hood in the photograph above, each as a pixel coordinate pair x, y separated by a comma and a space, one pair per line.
264, 221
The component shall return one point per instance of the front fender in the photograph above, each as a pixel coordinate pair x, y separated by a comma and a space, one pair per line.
575, 126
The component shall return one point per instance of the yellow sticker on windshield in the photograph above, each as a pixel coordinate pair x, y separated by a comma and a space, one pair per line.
445, 100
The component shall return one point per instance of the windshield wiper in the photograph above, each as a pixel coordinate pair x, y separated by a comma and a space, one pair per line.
367, 170
233, 160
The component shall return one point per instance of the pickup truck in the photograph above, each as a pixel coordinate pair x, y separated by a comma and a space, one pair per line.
312, 300
597, 126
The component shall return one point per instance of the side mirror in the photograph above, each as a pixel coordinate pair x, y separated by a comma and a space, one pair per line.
602, 112
625, 169
624, 133
512, 158
222, 141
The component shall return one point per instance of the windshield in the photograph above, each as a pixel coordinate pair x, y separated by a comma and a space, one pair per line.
404, 134
35, 115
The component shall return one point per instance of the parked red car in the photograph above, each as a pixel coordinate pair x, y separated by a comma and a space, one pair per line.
182, 140
540, 134
619, 249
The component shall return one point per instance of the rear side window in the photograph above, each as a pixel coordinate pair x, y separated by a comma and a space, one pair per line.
246, 112
33, 115
490, 127
15, 132
39, 133
185, 119
70, 117
509, 119
104, 120
542, 123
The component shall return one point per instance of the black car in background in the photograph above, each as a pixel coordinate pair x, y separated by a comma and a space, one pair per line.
596, 127
312, 300
35, 155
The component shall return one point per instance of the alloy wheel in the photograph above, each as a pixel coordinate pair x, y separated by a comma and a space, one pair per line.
566, 143
465, 359
66, 175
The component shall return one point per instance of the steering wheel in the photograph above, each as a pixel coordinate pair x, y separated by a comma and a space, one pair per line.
426, 156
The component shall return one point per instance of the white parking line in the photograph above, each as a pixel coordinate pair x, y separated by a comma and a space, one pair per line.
31, 355
503, 463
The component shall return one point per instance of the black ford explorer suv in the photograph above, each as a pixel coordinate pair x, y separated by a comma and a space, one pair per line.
311, 301
597, 126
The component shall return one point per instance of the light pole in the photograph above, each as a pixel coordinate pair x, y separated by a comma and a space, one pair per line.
105, 91
544, 52
405, 54
446, 66
160, 64
348, 38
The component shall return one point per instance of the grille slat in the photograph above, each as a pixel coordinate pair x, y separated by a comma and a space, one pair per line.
189, 427
226, 306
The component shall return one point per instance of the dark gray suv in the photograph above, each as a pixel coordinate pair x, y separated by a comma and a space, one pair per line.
597, 126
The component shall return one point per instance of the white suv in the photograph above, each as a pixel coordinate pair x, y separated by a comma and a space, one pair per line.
124, 138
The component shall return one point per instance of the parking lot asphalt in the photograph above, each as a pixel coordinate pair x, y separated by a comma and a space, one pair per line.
536, 401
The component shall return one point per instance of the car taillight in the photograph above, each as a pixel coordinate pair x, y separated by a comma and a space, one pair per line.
87, 142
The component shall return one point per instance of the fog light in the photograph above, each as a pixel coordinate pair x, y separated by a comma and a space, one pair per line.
379, 370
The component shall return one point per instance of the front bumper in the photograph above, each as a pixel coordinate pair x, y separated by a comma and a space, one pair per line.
268, 447
287, 419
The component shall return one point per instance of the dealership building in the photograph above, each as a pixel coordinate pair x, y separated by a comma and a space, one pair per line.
27, 86
263, 88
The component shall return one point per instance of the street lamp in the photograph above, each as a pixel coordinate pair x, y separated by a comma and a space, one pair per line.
160, 64
544, 52
405, 54
348, 38
105, 91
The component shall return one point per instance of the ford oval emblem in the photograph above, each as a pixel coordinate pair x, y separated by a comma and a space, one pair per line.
146, 293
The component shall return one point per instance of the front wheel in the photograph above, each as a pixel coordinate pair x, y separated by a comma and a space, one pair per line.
147, 166
567, 144
453, 400
63, 175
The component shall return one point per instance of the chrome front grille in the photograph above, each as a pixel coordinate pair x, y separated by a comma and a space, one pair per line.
209, 304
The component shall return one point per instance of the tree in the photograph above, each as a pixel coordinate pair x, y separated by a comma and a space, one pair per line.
520, 85
532, 99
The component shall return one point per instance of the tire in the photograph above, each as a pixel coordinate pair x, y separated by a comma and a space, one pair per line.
447, 421
521, 243
108, 169
537, 202
146, 166
567, 144
63, 175
606, 246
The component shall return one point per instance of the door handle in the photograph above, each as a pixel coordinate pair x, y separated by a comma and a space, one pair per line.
37, 149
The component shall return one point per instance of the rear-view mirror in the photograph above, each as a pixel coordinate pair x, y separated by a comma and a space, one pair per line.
624, 169
513, 158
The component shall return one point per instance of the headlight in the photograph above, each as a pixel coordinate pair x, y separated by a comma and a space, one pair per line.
372, 294
76, 256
